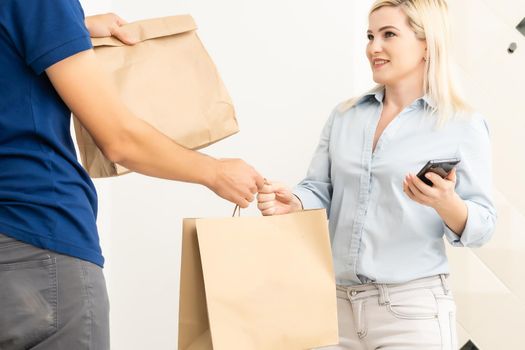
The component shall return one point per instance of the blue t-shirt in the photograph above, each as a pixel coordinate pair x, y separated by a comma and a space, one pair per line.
46, 197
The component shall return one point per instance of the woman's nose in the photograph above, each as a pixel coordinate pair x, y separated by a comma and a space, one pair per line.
375, 46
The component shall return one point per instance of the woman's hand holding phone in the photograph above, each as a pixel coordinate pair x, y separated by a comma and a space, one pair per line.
441, 196
441, 191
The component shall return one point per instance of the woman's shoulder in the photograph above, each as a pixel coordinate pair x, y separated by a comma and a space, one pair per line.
473, 121
472, 128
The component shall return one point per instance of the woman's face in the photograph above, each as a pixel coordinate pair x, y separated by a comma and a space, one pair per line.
394, 51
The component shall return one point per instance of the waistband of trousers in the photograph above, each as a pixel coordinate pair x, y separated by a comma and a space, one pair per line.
371, 289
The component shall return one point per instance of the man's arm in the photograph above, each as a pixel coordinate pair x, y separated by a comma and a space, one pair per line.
127, 140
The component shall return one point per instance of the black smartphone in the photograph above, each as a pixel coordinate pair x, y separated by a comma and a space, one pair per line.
442, 167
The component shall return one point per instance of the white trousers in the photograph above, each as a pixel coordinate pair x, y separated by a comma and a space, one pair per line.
420, 314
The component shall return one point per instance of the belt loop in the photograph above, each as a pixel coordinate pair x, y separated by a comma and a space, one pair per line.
444, 283
350, 293
384, 298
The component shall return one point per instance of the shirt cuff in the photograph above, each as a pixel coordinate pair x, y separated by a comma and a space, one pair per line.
61, 52
307, 198
478, 229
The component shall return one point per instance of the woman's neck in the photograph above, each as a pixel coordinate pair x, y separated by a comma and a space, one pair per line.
402, 94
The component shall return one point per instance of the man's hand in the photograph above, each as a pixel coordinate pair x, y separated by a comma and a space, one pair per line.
108, 24
236, 181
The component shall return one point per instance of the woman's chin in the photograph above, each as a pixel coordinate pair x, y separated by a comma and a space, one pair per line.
381, 79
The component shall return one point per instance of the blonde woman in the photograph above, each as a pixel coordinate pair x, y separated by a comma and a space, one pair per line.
386, 225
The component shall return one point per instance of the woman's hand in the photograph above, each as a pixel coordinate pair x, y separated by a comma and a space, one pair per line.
437, 196
108, 24
442, 197
276, 199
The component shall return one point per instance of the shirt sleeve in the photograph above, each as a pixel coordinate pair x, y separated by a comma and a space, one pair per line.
45, 32
474, 186
315, 191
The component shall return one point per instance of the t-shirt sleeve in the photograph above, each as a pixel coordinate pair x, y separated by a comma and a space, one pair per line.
45, 32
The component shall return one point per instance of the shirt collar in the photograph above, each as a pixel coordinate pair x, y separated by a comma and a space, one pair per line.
378, 95
429, 101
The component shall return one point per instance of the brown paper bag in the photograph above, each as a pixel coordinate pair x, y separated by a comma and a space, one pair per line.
257, 283
168, 80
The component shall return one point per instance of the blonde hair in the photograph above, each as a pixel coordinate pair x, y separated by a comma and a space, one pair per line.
429, 21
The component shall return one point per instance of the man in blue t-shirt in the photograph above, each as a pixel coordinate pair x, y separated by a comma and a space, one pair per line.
52, 290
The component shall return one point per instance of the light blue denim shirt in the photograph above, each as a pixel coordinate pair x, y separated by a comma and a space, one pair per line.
377, 232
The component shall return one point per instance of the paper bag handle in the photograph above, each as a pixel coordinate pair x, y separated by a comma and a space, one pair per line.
237, 211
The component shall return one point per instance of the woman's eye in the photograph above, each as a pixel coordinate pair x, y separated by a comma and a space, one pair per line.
370, 37
389, 34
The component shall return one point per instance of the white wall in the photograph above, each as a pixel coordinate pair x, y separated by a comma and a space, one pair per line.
286, 64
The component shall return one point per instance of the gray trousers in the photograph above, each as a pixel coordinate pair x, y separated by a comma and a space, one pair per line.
50, 301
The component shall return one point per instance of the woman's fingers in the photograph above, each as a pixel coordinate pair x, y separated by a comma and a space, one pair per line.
266, 189
265, 197
265, 205
421, 186
413, 192
452, 175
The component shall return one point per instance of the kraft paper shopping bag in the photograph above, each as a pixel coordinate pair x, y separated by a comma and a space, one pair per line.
166, 79
257, 283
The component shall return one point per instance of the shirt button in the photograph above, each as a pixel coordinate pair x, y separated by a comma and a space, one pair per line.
353, 293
